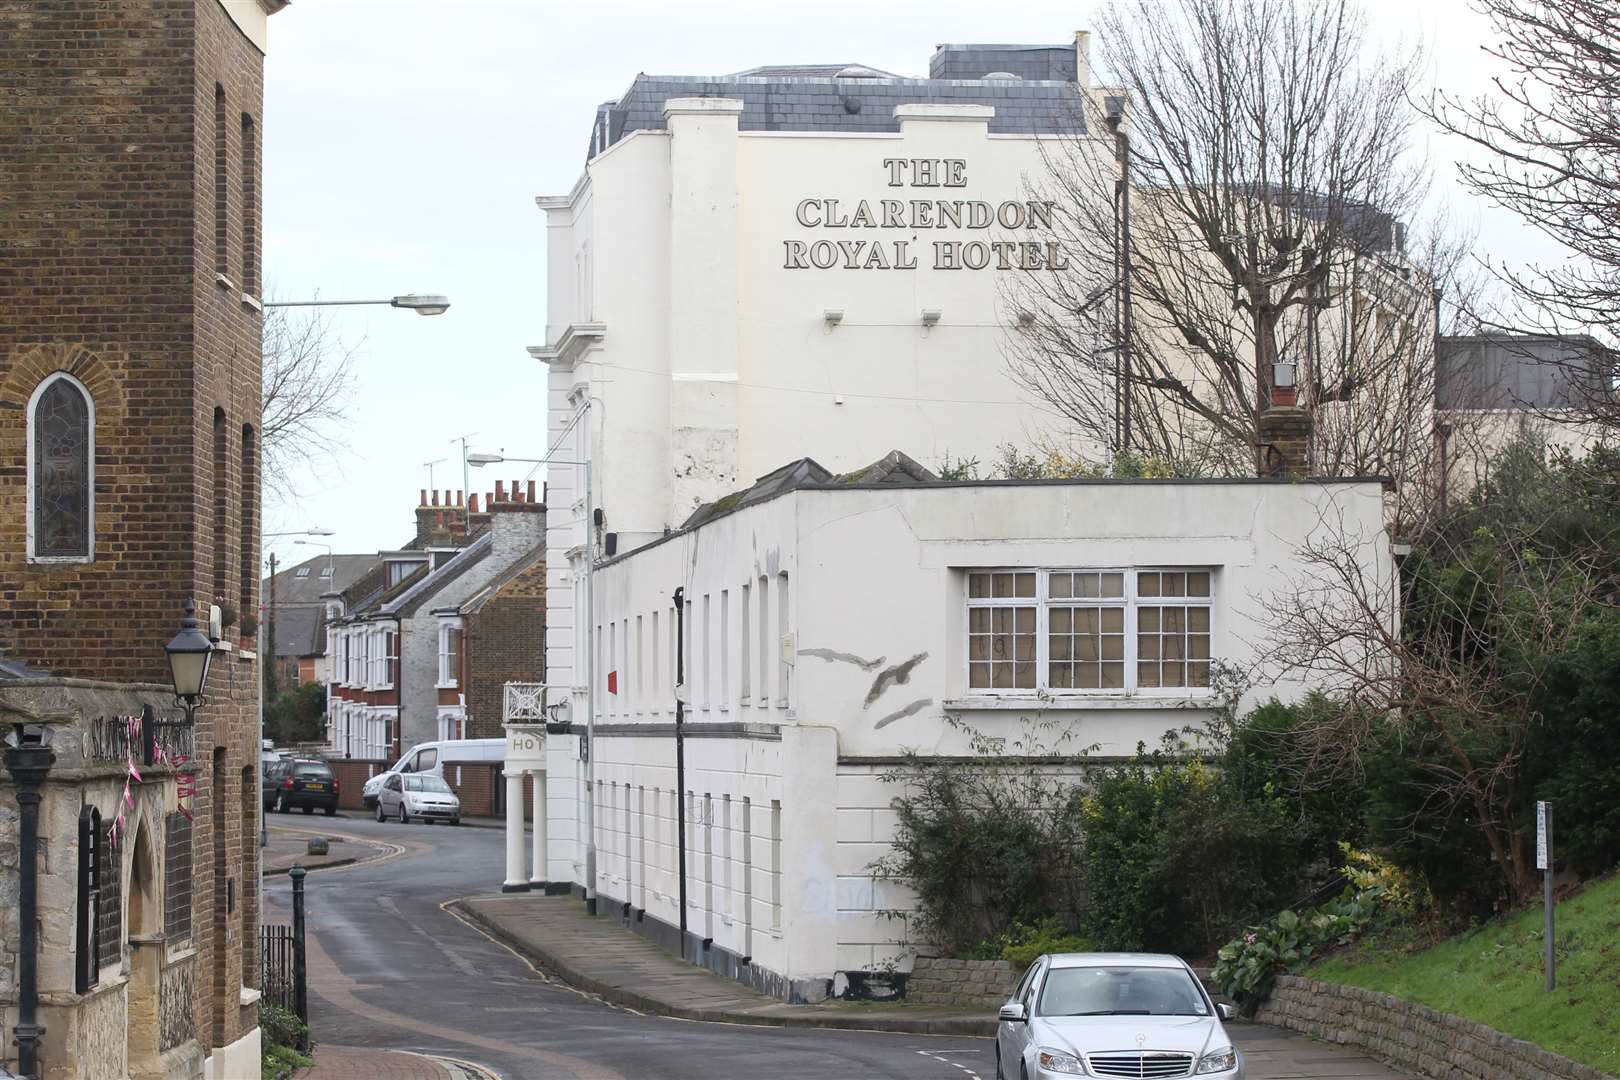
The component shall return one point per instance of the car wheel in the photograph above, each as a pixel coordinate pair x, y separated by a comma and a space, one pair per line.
308, 809
404, 818
331, 811
455, 821
381, 817
999, 1074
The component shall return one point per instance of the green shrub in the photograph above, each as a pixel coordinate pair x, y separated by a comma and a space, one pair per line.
1247, 966
280, 1062
281, 1027
1176, 858
988, 843
1021, 944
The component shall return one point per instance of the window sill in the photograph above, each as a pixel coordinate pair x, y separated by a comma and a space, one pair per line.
249, 996
1026, 702
447, 686
224, 282
252, 303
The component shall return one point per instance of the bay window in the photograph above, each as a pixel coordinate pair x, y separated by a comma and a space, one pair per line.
1106, 631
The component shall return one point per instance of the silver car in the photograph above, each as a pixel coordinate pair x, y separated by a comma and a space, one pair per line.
406, 796
1140, 1015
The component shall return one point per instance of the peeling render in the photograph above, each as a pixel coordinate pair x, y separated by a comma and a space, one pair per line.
894, 676
900, 714
844, 658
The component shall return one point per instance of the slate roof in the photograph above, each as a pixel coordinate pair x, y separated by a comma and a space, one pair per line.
1044, 99
292, 589
300, 631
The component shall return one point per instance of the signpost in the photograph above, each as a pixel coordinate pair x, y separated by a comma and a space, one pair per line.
1544, 863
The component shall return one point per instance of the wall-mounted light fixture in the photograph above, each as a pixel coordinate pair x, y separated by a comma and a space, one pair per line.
833, 316
1282, 374
930, 316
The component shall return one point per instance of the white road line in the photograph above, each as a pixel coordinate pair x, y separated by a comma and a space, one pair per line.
946, 1061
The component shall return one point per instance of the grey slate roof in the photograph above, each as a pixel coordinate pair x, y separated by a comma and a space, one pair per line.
292, 589
300, 632
810, 97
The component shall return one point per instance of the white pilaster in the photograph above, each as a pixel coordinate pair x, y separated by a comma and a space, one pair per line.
516, 880
537, 878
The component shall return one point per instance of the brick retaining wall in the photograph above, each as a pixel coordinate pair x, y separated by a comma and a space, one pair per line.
981, 983
1412, 1036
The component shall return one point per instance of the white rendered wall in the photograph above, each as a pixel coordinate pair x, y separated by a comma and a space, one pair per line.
875, 581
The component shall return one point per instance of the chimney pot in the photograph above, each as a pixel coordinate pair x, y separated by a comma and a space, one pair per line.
500, 491
460, 495
424, 498
531, 491
472, 504
435, 496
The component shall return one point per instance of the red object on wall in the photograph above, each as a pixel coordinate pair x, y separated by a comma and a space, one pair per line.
613, 682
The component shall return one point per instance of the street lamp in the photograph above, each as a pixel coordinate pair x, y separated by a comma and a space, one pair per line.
328, 547
479, 461
189, 654
421, 303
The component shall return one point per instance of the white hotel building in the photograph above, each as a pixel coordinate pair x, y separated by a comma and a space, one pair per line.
768, 281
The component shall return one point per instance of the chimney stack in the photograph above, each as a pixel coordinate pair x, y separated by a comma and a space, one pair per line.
1285, 429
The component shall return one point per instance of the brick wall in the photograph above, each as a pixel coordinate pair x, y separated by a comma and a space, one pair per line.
108, 162
505, 642
1412, 1036
352, 774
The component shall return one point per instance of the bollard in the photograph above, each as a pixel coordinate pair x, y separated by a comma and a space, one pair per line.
300, 972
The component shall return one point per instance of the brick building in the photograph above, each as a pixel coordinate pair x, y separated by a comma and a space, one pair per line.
422, 647
129, 482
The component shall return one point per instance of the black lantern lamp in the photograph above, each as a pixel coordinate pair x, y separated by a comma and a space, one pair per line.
189, 654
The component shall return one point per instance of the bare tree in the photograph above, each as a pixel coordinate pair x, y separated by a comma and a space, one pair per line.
1236, 203
1552, 130
1447, 660
308, 378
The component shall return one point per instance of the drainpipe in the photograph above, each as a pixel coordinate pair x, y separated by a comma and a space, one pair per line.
28, 759
680, 750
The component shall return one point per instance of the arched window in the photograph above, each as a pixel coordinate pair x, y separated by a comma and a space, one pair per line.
87, 960
61, 470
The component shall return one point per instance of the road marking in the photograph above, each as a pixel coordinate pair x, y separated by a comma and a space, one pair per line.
939, 1057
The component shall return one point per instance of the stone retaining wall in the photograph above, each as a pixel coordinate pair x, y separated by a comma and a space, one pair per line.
977, 983
1412, 1036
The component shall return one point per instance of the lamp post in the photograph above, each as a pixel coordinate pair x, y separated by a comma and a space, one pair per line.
28, 759
316, 543
479, 461
421, 303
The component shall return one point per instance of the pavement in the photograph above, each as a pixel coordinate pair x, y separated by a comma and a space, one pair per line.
289, 845
364, 1063
398, 961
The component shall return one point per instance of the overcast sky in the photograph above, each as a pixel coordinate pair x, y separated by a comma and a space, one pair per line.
405, 141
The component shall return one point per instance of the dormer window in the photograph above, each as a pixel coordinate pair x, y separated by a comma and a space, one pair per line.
302, 571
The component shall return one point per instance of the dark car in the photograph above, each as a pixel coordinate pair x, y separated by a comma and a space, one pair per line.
274, 772
307, 785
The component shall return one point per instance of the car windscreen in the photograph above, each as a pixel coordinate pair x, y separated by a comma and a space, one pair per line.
311, 768
1121, 991
434, 784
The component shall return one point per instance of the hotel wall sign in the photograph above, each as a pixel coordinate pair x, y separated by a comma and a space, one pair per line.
868, 252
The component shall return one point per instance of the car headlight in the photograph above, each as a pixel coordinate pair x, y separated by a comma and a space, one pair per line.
1059, 1062
1219, 1061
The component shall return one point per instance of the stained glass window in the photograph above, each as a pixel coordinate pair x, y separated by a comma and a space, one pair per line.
62, 471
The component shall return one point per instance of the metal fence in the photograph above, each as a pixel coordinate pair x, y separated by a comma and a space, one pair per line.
277, 969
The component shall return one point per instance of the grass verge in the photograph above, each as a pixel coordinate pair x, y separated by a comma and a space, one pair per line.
1494, 975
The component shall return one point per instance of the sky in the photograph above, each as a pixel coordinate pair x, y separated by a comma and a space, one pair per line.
406, 140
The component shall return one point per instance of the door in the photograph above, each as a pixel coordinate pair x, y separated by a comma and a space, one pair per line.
1011, 1037
388, 798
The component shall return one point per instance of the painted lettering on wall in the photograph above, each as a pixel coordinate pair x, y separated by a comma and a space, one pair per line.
866, 252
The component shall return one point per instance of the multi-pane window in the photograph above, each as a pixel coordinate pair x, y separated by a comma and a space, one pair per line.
1088, 631
450, 653
61, 450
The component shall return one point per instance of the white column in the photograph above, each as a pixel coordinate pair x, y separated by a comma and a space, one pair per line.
537, 878
516, 881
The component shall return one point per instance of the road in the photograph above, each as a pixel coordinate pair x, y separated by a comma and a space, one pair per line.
390, 968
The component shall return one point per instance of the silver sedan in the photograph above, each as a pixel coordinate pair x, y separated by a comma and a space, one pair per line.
406, 796
1140, 1015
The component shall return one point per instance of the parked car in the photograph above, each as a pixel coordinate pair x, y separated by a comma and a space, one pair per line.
1113, 1014
309, 784
430, 758
274, 771
408, 795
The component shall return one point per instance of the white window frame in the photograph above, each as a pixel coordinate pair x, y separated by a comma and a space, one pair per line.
1043, 602
452, 714
449, 680
28, 490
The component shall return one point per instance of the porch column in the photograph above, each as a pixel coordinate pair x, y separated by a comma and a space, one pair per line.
516, 880
537, 876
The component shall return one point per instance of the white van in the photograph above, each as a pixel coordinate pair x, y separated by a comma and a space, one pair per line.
432, 757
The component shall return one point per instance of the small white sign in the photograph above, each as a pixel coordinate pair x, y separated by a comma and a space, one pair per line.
790, 649
1542, 862
525, 746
